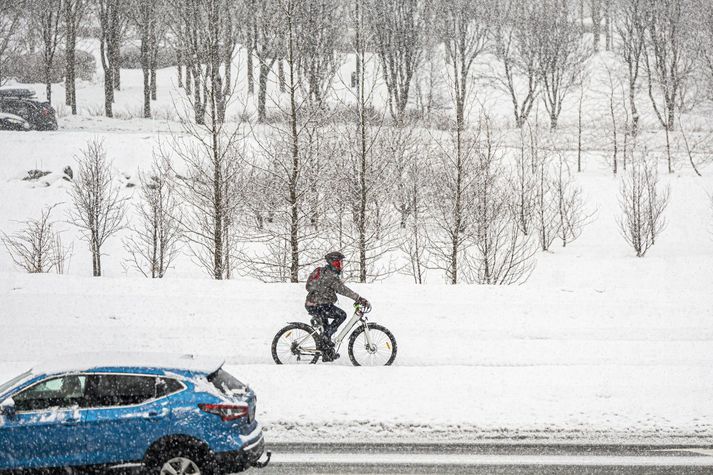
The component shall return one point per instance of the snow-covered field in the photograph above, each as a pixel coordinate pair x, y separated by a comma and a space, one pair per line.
597, 346
474, 362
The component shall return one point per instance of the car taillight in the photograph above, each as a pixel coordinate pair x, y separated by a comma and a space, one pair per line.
227, 412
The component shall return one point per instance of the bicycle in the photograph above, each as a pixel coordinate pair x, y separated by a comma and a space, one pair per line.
370, 344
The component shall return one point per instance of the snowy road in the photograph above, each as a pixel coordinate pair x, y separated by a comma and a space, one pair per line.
487, 458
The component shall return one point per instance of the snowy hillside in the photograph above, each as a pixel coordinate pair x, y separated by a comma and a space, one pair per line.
599, 258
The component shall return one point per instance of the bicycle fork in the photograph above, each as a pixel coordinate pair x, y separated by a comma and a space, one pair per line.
370, 347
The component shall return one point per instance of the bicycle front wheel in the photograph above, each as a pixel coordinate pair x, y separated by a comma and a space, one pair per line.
379, 349
295, 344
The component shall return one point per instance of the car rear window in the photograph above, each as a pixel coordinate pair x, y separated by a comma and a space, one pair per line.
166, 386
226, 382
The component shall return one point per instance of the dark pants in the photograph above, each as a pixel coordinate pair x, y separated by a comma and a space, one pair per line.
326, 313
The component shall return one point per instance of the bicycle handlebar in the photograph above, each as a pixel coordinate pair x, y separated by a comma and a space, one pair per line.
362, 308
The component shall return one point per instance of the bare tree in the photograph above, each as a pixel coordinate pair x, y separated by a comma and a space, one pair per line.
475, 237
37, 247
363, 161
292, 158
10, 20
642, 201
415, 241
207, 37
289, 198
465, 30
570, 204
516, 48
502, 254
45, 22
111, 15
248, 33
692, 146
98, 209
363, 175
73, 13
210, 187
670, 58
522, 182
454, 177
189, 30
608, 24
616, 106
560, 52
430, 92
144, 15
154, 242
546, 208
595, 9
267, 44
317, 37
601, 11
209, 159
580, 128
631, 30
399, 29
705, 12
157, 35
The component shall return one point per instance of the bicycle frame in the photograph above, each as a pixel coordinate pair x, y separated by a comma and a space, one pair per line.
359, 316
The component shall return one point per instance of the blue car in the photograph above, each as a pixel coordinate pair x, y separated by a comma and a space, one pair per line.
165, 414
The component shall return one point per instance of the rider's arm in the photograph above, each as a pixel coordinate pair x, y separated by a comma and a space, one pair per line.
339, 287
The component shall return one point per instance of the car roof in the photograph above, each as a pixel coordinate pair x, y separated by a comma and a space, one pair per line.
17, 92
121, 361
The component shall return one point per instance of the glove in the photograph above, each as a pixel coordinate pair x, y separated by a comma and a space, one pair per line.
363, 302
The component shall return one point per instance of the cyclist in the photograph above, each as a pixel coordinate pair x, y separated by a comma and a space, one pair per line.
323, 285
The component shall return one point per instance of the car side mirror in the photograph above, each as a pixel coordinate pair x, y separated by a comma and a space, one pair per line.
7, 408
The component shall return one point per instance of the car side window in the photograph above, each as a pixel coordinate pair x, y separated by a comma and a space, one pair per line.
17, 108
112, 390
61, 392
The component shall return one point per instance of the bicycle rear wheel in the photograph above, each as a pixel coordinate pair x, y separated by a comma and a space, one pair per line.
295, 344
382, 351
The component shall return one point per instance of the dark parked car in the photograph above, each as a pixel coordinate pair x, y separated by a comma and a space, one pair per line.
23, 103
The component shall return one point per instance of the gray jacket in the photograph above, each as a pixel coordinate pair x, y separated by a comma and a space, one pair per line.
323, 285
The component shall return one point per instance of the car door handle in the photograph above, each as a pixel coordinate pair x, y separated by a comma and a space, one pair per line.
158, 414
70, 422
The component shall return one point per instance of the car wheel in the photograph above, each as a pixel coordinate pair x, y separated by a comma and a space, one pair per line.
180, 466
182, 463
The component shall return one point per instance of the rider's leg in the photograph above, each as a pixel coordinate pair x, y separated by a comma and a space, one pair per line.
319, 314
338, 316
314, 312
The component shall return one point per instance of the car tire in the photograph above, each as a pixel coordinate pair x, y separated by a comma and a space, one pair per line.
182, 462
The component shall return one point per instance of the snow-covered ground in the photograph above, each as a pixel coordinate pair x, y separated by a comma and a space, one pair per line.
598, 345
